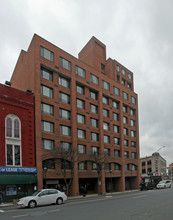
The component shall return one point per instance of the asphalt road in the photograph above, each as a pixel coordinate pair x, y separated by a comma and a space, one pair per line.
145, 205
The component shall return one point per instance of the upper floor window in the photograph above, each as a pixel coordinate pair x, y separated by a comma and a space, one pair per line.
65, 114
47, 109
118, 68
133, 155
93, 94
106, 151
105, 100
115, 116
133, 100
47, 144
46, 54
115, 104
64, 82
47, 126
65, 63
133, 144
82, 165
64, 97
93, 108
46, 91
65, 146
105, 113
80, 103
125, 108
105, 85
94, 79
13, 127
80, 118
125, 131
133, 134
125, 120
129, 76
94, 136
125, 96
80, 71
81, 148
94, 122
116, 128
49, 164
116, 141
132, 112
117, 153
106, 139
116, 91
81, 133
117, 166
123, 72
106, 126
65, 130
94, 150
80, 89
46, 74
132, 122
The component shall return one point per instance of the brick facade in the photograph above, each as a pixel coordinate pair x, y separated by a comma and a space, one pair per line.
92, 59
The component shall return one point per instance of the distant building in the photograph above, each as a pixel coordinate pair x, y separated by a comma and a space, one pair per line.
18, 173
87, 104
153, 165
170, 171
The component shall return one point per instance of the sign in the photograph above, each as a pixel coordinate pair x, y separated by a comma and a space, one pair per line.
11, 190
18, 169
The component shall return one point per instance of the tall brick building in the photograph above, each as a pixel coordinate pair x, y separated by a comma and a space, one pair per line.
88, 104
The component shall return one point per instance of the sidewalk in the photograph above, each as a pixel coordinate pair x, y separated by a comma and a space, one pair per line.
75, 197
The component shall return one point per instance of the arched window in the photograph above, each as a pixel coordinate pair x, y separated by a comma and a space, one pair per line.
13, 140
9, 127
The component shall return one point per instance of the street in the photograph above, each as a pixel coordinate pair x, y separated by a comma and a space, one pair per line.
136, 205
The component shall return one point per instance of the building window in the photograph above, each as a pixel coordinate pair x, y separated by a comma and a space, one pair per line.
115, 116
132, 122
149, 162
118, 68
94, 150
125, 121
65, 130
132, 112
49, 164
143, 171
106, 139
81, 134
46, 54
94, 79
116, 91
106, 126
125, 131
133, 144
143, 163
117, 166
115, 104
126, 143
134, 167
46, 91
102, 67
47, 126
107, 166
13, 154
105, 100
125, 108
133, 134
66, 165
116, 141
133, 155
65, 63
106, 152
80, 89
129, 85
80, 103
80, 71
82, 165
125, 96
47, 144
81, 119
105, 113
94, 136
105, 85
133, 100
65, 114
65, 146
81, 149
13, 140
117, 153
94, 166
46, 74
64, 98
64, 82
129, 76
47, 109
93, 94
94, 122
123, 72
116, 128
126, 154
93, 108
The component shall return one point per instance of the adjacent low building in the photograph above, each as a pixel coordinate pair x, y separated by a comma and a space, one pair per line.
87, 104
18, 173
153, 165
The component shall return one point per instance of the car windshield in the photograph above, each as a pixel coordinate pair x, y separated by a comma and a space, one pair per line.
34, 194
161, 182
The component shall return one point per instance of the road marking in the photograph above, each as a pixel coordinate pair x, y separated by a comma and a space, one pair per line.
139, 197
55, 210
19, 216
108, 196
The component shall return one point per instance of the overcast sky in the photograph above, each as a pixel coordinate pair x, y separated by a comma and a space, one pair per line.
137, 33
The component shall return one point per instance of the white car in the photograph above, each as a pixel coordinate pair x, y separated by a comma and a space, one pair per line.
43, 197
164, 184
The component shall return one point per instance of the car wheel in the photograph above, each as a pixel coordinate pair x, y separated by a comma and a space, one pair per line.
59, 201
32, 204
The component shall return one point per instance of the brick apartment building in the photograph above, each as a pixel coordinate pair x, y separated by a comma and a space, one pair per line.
86, 103
18, 174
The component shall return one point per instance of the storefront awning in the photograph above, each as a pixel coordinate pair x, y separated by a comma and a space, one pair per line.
18, 179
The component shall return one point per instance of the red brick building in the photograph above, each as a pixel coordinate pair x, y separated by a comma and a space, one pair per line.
88, 104
17, 160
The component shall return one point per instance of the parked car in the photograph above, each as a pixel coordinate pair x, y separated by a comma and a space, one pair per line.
164, 184
43, 197
149, 182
